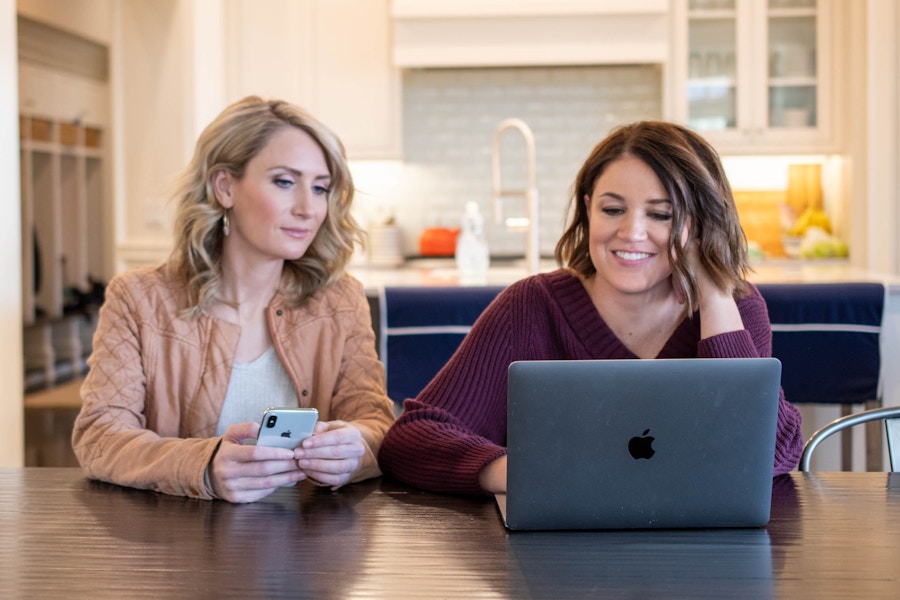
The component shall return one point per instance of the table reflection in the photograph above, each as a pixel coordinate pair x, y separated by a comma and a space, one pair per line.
730, 563
265, 546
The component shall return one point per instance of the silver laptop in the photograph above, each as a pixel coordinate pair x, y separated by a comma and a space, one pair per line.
624, 444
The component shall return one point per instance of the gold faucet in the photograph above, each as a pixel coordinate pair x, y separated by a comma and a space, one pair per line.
529, 223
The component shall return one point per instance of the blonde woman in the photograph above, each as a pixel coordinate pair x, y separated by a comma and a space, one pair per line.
252, 310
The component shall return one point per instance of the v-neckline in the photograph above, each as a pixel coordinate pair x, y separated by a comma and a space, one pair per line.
598, 337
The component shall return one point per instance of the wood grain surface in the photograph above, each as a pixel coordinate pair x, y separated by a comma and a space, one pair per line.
832, 535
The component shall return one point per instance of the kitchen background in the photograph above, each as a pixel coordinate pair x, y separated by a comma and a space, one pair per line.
449, 120
416, 88
111, 94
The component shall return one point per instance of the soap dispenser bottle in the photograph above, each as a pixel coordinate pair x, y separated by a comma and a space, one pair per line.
472, 258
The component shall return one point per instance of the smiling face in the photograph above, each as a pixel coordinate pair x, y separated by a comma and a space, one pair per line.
278, 205
630, 216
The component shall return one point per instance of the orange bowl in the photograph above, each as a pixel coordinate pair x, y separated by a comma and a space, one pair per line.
438, 241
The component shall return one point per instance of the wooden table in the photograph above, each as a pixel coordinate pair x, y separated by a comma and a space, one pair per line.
831, 535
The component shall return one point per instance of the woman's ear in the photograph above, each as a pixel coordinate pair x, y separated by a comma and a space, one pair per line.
587, 207
688, 235
221, 185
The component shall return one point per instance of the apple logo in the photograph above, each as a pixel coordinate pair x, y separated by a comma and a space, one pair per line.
641, 446
287, 434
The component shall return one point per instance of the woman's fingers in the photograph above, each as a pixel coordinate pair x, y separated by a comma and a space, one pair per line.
331, 456
245, 473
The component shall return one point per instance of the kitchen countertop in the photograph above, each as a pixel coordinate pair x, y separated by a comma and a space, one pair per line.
434, 272
443, 272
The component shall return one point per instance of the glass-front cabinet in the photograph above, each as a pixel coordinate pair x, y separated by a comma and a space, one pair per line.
756, 75
712, 86
792, 82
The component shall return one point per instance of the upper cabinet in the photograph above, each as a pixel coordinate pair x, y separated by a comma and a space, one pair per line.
333, 57
357, 90
494, 33
758, 76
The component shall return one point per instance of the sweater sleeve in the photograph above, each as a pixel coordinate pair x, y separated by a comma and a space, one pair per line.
756, 340
360, 396
457, 424
110, 436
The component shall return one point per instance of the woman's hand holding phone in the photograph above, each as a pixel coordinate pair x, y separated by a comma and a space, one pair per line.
247, 473
331, 456
254, 459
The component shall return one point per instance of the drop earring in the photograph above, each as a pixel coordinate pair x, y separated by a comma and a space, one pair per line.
226, 225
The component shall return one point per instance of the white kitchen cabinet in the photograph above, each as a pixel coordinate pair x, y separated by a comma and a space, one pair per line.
758, 76
332, 57
467, 9
529, 33
357, 90
269, 49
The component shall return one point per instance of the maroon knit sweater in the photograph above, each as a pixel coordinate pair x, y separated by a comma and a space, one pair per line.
457, 424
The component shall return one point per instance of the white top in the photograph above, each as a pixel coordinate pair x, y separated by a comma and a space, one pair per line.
254, 387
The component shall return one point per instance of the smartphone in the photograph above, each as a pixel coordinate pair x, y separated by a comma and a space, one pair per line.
286, 427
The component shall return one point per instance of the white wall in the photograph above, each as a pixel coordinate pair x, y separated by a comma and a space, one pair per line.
874, 143
149, 116
12, 438
883, 148
168, 83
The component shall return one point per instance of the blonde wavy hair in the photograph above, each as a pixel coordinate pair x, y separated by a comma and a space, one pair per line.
232, 140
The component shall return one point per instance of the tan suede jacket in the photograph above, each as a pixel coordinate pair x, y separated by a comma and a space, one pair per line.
157, 381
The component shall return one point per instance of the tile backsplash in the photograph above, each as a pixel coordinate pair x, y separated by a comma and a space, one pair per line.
449, 120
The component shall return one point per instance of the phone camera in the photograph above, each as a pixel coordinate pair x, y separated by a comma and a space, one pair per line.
270, 422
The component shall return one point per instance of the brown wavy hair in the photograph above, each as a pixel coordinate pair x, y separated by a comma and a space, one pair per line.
692, 174
232, 140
